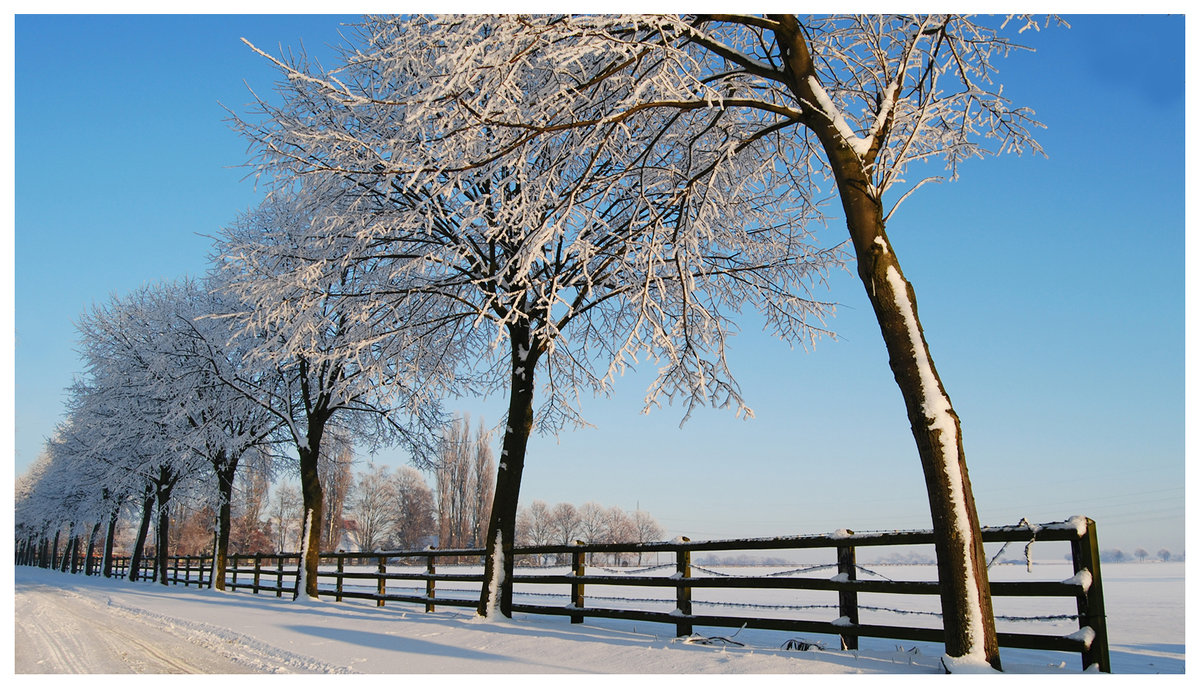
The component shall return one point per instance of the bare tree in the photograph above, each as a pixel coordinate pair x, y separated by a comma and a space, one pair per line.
618, 528
646, 529
414, 523
564, 524
464, 478
336, 471
483, 484
285, 514
373, 505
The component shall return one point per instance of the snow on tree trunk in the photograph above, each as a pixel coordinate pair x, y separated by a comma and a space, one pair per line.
962, 567
302, 578
310, 487
962, 571
498, 563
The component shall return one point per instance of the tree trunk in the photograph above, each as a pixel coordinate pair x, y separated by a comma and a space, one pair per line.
161, 535
166, 483
139, 545
90, 561
225, 471
107, 563
962, 568
498, 560
68, 559
310, 487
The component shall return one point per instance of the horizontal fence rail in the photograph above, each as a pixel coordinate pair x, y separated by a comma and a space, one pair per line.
414, 578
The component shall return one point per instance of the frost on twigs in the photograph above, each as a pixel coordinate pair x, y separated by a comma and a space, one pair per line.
480, 188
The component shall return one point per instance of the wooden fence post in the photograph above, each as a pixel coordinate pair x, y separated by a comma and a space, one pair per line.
257, 571
1085, 553
341, 569
848, 600
233, 572
279, 576
577, 570
683, 594
381, 588
431, 570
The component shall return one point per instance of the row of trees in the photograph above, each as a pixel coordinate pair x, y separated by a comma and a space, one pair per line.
565, 524
511, 204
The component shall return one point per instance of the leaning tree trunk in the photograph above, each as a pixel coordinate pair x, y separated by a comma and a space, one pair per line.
498, 560
68, 558
962, 568
310, 487
139, 545
90, 561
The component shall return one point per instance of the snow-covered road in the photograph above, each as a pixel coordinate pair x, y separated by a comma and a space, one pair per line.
61, 631
70, 624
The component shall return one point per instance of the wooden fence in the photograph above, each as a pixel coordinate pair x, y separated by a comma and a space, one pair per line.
276, 573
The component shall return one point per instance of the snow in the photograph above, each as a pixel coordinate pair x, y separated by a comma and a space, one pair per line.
201, 630
497, 573
1086, 635
938, 418
1082, 578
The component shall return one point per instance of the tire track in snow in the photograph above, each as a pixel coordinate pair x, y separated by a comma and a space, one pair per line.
57, 631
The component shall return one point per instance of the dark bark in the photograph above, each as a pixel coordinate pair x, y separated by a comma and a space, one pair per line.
310, 488
90, 561
68, 560
163, 487
161, 534
962, 567
225, 470
503, 522
107, 564
139, 544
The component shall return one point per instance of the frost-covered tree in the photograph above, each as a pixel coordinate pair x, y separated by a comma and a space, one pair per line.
315, 366
709, 110
180, 355
546, 262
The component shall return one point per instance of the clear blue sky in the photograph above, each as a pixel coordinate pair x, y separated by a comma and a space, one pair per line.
1051, 290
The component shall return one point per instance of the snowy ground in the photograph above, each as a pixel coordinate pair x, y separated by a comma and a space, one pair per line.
71, 623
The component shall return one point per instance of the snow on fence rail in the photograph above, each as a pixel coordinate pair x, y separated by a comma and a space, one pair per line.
543, 591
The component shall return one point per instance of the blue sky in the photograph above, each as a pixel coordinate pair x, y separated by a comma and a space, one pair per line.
1051, 289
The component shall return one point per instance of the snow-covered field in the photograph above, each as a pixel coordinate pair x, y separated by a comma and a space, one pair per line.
72, 623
